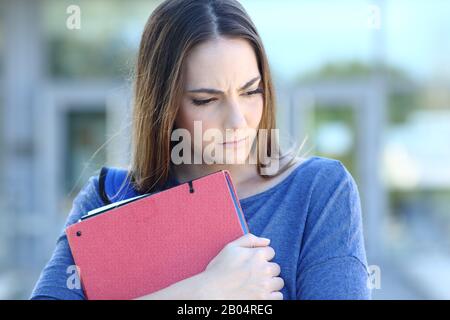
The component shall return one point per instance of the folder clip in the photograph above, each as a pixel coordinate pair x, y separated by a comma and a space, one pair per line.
191, 188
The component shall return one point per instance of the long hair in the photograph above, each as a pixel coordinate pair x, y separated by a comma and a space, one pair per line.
172, 30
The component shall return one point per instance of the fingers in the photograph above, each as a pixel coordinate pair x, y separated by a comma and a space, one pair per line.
277, 283
249, 240
275, 295
273, 269
267, 253
261, 253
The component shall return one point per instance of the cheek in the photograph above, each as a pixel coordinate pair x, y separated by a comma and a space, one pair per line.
255, 112
186, 117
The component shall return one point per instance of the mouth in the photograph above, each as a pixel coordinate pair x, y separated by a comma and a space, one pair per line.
234, 143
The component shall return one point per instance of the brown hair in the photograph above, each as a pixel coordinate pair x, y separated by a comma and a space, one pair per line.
173, 29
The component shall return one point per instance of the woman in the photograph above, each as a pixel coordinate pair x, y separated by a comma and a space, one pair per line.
203, 61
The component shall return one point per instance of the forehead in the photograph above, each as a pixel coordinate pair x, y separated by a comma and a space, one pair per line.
221, 62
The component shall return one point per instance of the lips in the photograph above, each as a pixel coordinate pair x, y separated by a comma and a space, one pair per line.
234, 142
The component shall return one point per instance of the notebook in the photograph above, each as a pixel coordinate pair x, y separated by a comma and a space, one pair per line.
134, 247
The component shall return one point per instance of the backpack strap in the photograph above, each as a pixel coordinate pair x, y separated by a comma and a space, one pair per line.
112, 185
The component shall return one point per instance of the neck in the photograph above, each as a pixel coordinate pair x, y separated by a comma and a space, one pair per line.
239, 172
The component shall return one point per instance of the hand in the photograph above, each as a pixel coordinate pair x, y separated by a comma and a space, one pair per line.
242, 271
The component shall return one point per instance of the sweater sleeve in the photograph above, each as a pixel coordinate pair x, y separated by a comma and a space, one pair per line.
59, 280
332, 263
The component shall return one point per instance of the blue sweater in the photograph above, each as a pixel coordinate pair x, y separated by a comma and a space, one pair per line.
313, 218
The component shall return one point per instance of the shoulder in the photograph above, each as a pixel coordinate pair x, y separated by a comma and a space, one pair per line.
103, 187
323, 166
88, 198
325, 182
332, 200
115, 184
333, 225
323, 173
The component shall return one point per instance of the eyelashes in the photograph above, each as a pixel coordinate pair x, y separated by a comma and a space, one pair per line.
259, 90
203, 102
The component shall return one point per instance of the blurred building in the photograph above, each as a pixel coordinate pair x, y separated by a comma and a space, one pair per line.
343, 81
54, 124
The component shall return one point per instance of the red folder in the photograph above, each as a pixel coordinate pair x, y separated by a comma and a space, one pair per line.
129, 249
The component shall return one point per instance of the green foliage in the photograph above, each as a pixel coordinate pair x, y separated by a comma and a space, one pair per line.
351, 70
77, 59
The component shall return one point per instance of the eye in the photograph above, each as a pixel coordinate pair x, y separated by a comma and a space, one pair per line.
202, 102
259, 90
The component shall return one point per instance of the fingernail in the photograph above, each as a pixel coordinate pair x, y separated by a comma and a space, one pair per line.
267, 240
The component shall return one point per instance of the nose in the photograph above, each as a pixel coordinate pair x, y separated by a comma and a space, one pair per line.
234, 116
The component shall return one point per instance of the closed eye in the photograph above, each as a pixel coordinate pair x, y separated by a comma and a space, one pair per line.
203, 102
259, 90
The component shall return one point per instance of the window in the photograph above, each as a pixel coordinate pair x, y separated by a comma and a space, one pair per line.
86, 133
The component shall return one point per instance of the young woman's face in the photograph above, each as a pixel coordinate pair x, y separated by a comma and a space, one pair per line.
223, 90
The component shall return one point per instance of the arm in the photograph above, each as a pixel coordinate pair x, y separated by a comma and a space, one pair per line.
58, 279
192, 288
332, 262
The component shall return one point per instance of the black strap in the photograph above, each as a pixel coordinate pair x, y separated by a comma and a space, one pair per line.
101, 185
191, 187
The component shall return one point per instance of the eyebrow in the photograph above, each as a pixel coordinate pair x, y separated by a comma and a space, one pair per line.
215, 91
